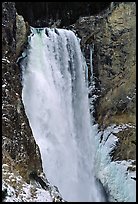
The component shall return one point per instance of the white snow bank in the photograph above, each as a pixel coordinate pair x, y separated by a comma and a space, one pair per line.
27, 194
20, 191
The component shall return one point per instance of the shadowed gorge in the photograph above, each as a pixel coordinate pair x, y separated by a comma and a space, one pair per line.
42, 14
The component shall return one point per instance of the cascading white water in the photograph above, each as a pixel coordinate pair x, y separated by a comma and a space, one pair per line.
56, 103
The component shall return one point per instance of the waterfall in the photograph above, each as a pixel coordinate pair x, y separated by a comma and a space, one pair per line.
91, 62
56, 102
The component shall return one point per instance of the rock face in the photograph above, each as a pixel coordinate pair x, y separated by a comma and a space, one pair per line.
22, 31
113, 35
20, 150
117, 75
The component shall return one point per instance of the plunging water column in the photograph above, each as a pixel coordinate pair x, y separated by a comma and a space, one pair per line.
56, 103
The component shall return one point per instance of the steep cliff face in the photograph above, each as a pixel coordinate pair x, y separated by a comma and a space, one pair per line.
113, 35
19, 148
117, 76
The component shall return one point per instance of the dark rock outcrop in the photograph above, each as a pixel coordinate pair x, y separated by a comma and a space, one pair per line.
22, 32
4, 194
19, 148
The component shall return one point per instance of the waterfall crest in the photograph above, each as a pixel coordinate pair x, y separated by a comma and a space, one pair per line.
56, 103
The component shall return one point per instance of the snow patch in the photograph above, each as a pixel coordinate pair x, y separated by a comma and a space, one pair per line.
26, 194
19, 191
5, 60
4, 85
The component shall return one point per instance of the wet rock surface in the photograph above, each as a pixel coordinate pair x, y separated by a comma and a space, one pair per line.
18, 143
22, 32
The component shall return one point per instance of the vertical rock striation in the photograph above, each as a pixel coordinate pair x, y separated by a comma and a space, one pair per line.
20, 150
113, 34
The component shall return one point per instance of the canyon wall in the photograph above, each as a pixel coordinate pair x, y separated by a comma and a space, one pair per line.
19, 148
112, 33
